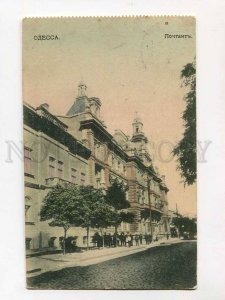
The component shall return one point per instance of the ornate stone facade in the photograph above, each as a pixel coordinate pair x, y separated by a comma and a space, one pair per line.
118, 157
78, 148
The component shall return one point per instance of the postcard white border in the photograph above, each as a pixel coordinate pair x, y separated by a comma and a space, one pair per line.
211, 124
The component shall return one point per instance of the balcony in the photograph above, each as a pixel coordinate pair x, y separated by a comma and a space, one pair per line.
53, 181
157, 208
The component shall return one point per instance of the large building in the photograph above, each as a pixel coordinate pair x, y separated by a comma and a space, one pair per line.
78, 148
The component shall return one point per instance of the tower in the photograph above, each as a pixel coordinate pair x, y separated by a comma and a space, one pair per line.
84, 104
82, 89
138, 134
81, 102
137, 125
140, 141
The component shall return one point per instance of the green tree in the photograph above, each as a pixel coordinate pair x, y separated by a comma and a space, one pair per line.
96, 212
116, 197
185, 150
62, 207
185, 224
68, 205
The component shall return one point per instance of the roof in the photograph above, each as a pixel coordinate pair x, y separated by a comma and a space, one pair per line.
78, 106
43, 124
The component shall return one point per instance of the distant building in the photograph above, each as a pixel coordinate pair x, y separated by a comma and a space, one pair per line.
174, 232
98, 159
173, 214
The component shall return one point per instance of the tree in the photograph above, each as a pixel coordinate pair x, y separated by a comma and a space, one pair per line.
116, 197
68, 205
185, 224
96, 212
185, 150
62, 207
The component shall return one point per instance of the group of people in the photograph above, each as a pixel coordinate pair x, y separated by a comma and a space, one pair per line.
121, 239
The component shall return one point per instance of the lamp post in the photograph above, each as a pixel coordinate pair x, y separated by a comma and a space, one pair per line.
149, 203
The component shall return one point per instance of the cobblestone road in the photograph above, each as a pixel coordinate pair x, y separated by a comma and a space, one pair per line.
164, 267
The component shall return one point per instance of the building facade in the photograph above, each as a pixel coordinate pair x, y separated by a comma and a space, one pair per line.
51, 156
78, 148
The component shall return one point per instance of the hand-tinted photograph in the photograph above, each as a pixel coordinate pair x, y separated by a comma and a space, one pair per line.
110, 153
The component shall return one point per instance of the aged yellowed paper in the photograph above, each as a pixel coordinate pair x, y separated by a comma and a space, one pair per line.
110, 152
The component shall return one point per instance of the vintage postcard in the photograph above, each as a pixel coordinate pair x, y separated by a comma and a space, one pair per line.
110, 152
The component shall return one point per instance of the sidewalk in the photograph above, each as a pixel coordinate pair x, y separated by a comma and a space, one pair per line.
53, 262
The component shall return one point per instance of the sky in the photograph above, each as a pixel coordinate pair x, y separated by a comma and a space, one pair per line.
127, 63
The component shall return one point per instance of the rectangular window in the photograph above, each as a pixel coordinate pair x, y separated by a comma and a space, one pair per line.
73, 175
27, 207
51, 167
60, 169
98, 183
102, 153
27, 161
82, 179
124, 170
28, 243
113, 161
96, 147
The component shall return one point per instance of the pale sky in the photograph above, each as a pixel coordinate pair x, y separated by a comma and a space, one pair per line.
130, 66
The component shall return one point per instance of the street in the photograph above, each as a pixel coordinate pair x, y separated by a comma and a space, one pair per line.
163, 267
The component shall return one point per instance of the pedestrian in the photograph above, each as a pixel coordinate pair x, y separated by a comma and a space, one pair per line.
109, 240
136, 239
114, 240
126, 239
117, 239
132, 240
140, 238
150, 238
97, 240
105, 240
122, 239
146, 239
129, 240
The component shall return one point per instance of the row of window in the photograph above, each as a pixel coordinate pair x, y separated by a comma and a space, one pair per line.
55, 168
155, 187
99, 151
117, 165
142, 197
